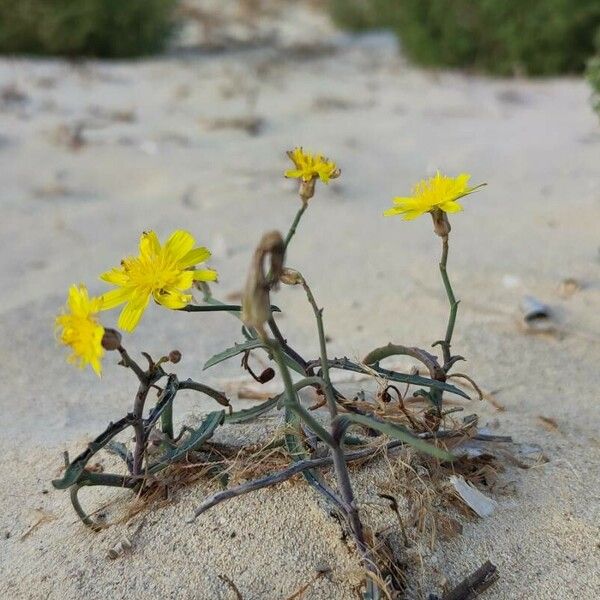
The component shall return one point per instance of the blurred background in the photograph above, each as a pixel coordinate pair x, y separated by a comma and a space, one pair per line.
121, 117
118, 117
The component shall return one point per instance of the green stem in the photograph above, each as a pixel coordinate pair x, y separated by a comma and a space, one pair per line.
329, 395
451, 299
292, 230
339, 460
291, 395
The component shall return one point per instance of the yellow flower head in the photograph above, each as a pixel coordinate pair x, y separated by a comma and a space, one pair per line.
81, 330
437, 192
161, 271
311, 166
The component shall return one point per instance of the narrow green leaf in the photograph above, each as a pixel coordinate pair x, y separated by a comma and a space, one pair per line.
233, 351
192, 442
248, 414
77, 466
347, 365
399, 433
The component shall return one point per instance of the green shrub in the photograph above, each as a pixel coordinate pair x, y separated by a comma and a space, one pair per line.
536, 37
593, 76
102, 28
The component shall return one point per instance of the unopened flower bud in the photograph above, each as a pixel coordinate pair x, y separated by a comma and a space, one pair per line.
174, 356
266, 375
441, 225
291, 277
111, 340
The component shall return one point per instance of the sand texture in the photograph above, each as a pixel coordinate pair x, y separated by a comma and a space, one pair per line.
93, 153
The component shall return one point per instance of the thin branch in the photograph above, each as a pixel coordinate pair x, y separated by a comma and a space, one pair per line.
190, 384
131, 364
314, 463
276, 478
217, 308
470, 380
138, 426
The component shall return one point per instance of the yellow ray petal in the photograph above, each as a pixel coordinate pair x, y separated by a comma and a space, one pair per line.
114, 297
180, 242
205, 275
149, 244
131, 314
116, 276
193, 257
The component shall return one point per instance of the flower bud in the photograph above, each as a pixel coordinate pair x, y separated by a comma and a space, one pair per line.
174, 356
291, 277
266, 375
111, 340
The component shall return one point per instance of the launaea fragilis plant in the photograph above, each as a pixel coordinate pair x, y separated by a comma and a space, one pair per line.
79, 329
161, 271
438, 192
311, 166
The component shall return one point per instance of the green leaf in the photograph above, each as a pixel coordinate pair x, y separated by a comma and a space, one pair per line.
192, 442
347, 365
120, 449
233, 351
248, 414
293, 365
398, 433
77, 466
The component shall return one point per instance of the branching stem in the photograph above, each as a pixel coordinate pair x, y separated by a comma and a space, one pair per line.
291, 395
138, 427
339, 460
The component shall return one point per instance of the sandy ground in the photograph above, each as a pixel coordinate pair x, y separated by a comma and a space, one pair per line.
94, 153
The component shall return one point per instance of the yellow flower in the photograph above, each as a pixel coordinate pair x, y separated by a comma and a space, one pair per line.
309, 166
163, 272
81, 330
437, 192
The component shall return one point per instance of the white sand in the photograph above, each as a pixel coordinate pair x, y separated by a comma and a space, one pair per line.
69, 214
